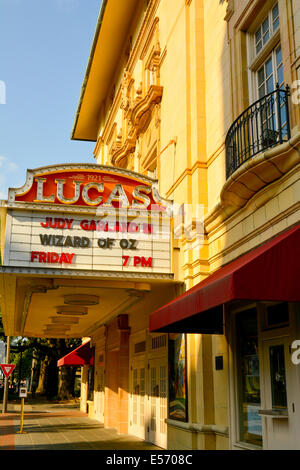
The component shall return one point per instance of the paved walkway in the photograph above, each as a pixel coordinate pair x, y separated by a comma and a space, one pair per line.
60, 426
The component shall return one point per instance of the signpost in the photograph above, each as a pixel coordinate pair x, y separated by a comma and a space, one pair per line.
5, 393
7, 370
22, 395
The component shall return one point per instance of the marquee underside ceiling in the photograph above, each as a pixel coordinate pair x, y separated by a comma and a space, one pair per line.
36, 306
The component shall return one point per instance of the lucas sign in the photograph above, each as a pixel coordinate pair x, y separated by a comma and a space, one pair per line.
88, 217
88, 186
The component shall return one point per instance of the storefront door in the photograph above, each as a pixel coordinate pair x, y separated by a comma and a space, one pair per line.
138, 400
99, 394
280, 413
158, 381
266, 403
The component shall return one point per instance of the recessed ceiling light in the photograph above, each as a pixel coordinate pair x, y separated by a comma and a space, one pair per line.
81, 299
60, 328
65, 310
63, 320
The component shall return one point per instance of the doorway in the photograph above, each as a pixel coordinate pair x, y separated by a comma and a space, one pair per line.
280, 411
138, 399
264, 384
158, 383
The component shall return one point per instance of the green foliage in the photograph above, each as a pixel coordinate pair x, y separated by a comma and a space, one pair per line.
44, 351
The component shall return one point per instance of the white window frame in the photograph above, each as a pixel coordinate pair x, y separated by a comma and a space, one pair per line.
235, 440
290, 329
271, 30
256, 60
275, 68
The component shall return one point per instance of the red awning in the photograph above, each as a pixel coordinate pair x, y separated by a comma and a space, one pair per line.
78, 357
270, 272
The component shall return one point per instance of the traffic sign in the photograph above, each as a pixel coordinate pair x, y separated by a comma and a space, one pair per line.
7, 369
23, 392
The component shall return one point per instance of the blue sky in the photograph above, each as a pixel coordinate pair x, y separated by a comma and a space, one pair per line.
45, 45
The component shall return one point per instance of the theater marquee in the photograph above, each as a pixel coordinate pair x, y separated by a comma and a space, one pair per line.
88, 217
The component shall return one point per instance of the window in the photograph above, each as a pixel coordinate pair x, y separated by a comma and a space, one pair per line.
265, 56
178, 408
270, 73
276, 316
159, 342
266, 29
273, 109
278, 380
90, 382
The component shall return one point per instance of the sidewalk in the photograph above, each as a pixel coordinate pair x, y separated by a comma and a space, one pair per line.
60, 426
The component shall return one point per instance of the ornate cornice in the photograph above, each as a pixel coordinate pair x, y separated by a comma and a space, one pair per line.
120, 153
144, 32
229, 10
142, 107
138, 115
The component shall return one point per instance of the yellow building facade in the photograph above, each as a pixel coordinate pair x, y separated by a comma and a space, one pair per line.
186, 92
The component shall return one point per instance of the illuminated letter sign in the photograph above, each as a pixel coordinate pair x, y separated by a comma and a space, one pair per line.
88, 217
89, 186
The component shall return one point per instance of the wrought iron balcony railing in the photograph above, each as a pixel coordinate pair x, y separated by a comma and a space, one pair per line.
262, 125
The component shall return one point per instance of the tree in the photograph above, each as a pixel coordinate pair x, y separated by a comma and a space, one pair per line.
36, 359
47, 353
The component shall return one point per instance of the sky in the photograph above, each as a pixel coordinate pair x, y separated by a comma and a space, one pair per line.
44, 50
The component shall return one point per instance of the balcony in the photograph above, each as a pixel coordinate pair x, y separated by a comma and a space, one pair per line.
261, 126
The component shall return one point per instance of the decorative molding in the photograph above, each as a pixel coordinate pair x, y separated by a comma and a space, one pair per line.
253, 176
111, 136
126, 83
185, 173
120, 153
229, 10
48, 206
146, 26
198, 427
152, 32
97, 147
137, 110
138, 115
84, 273
150, 158
244, 241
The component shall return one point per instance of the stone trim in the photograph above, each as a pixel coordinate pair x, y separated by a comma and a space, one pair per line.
254, 175
198, 427
86, 273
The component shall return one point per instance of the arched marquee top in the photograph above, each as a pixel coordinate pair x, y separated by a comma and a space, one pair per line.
86, 186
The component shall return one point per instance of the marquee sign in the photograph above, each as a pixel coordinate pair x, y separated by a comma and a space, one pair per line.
88, 217
88, 186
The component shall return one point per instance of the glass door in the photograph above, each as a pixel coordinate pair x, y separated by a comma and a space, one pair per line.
137, 406
248, 378
158, 383
99, 394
